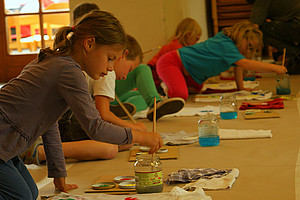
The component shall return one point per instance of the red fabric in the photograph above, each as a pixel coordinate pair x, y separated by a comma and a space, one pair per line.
170, 70
173, 45
274, 104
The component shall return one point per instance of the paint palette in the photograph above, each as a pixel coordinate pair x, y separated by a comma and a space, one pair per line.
167, 152
120, 179
103, 185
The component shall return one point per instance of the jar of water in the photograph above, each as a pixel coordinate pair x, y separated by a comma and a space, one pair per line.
283, 86
228, 106
208, 129
148, 174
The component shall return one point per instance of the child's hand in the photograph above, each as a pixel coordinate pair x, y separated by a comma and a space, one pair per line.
140, 127
280, 69
152, 140
60, 183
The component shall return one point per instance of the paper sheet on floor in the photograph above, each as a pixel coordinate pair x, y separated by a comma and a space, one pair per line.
230, 85
229, 134
183, 138
186, 111
240, 96
176, 193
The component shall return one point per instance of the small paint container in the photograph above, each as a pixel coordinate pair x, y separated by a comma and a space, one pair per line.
140, 153
103, 186
162, 151
127, 185
120, 179
144, 149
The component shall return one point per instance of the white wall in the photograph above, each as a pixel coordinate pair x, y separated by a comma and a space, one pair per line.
196, 9
152, 22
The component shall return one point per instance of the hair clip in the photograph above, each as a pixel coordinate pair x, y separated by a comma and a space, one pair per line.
69, 36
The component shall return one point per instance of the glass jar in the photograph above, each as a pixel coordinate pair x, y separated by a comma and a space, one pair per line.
228, 106
283, 86
148, 174
208, 130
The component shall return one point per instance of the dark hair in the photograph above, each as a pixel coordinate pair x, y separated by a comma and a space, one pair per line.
134, 49
83, 9
101, 25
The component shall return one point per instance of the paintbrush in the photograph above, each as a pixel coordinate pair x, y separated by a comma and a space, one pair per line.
150, 50
154, 115
154, 123
125, 109
283, 56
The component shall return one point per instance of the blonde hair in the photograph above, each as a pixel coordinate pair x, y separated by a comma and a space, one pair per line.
186, 26
248, 31
101, 25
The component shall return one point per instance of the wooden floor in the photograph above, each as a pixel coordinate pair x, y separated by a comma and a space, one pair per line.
268, 167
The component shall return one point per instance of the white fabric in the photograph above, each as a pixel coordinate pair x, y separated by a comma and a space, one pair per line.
104, 86
222, 183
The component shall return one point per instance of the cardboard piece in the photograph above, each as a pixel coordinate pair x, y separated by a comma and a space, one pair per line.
262, 114
115, 190
171, 154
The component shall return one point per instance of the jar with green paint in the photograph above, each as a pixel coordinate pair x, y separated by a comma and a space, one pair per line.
148, 174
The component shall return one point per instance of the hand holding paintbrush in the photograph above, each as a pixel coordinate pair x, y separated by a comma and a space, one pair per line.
151, 140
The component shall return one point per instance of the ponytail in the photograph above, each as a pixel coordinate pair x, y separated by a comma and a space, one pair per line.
101, 25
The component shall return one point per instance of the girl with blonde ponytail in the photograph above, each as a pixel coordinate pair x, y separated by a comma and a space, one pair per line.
234, 46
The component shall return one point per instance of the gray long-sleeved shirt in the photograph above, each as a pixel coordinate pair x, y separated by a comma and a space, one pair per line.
33, 102
279, 10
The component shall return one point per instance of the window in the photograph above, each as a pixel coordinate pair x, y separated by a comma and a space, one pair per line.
26, 18
20, 31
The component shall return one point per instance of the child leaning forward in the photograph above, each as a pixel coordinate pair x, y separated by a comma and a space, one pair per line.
31, 104
234, 46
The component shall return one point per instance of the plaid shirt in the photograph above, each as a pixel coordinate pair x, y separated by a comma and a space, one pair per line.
191, 175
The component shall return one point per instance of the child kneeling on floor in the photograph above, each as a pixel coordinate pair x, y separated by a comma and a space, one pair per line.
234, 46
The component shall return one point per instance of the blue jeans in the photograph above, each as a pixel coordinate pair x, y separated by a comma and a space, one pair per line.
16, 181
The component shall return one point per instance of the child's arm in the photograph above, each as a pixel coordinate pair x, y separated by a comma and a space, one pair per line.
239, 77
102, 105
260, 66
